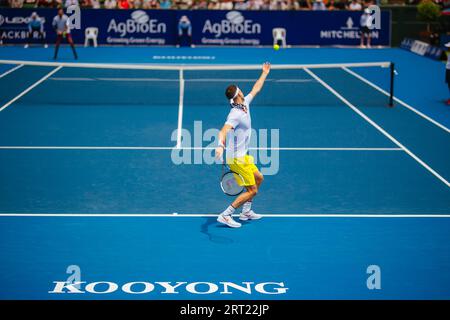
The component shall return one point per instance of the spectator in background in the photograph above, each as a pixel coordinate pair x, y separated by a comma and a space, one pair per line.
165, 4
214, 5
275, 4
226, 5
16, 3
355, 6
339, 4
110, 4
154, 4
123, 4
255, 4
280, 5
287, 5
94, 4
241, 5
318, 5
135, 4
200, 5
184, 31
183, 4
36, 25
364, 28
330, 6
266, 5
69, 3
302, 5
45, 3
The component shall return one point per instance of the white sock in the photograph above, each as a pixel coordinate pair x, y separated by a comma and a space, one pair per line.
246, 207
229, 211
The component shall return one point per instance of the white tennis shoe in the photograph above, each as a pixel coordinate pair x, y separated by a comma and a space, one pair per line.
249, 215
228, 220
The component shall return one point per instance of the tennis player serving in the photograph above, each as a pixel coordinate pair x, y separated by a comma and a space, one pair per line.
239, 161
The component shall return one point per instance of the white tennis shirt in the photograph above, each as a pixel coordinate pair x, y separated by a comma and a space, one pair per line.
239, 138
60, 23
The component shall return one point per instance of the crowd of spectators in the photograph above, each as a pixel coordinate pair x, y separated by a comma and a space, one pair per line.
200, 4
210, 4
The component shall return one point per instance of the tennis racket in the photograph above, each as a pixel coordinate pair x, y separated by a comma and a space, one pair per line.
229, 181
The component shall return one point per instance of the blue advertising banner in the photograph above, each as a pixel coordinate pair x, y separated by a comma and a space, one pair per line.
302, 27
211, 27
422, 48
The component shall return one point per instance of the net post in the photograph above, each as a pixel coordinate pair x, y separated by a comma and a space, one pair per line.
391, 90
180, 107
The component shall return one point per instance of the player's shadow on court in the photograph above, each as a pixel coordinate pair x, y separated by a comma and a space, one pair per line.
208, 228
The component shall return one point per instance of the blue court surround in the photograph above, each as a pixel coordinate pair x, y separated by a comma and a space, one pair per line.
322, 257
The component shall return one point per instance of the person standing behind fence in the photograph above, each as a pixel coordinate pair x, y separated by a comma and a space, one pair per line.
184, 31
110, 4
355, 6
36, 25
69, 3
365, 23
165, 4
318, 5
62, 28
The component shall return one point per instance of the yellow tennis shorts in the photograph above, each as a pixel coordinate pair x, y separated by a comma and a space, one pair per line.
245, 166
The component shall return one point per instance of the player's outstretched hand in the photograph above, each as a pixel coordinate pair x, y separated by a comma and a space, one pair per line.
266, 67
219, 153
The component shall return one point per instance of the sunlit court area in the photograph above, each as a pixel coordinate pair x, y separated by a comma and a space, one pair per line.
247, 150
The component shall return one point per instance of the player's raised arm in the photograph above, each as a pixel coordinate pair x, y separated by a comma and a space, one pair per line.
260, 82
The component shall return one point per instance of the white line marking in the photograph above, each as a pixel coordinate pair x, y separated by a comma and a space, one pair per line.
138, 79
114, 79
30, 88
184, 148
374, 124
382, 64
71, 79
248, 80
11, 70
397, 100
180, 109
171, 215
329, 149
177, 80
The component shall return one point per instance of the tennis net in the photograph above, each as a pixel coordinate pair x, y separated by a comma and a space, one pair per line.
155, 85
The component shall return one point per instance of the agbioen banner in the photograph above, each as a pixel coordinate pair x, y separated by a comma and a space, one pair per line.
160, 27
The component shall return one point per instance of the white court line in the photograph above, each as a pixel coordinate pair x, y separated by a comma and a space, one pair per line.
397, 100
185, 148
180, 109
176, 80
11, 70
30, 88
171, 215
71, 79
114, 79
374, 124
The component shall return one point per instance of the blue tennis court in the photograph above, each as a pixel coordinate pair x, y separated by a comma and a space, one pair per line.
88, 179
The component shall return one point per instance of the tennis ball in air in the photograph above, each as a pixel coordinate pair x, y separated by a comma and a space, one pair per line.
276, 47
